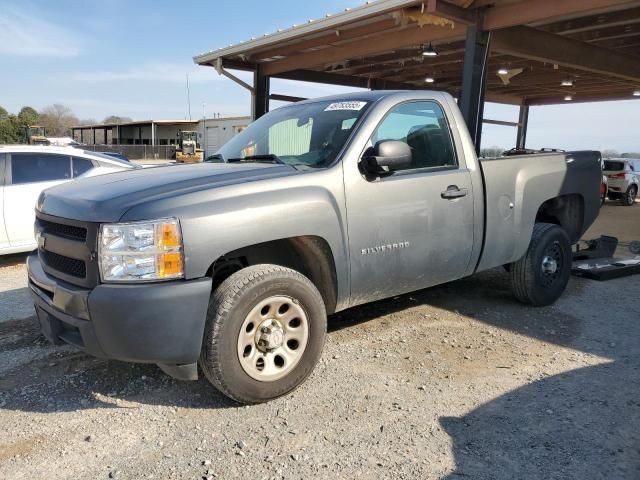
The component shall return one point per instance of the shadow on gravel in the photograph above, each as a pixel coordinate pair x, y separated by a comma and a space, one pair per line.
61, 379
581, 424
13, 259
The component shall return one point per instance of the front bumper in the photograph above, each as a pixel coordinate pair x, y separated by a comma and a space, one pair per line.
160, 323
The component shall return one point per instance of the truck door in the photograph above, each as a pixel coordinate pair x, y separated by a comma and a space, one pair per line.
413, 228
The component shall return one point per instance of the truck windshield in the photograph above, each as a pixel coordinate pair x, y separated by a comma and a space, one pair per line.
302, 135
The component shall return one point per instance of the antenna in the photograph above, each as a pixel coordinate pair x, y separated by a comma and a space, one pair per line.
188, 98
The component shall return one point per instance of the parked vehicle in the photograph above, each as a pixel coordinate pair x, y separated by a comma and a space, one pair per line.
36, 135
624, 179
320, 206
187, 150
25, 171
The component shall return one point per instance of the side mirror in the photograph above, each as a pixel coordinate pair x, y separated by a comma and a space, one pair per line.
386, 156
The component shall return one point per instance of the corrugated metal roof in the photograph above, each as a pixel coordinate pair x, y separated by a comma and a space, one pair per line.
349, 15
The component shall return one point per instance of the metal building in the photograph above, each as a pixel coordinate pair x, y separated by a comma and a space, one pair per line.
157, 138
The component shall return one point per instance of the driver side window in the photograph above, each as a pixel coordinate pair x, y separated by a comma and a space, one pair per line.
422, 126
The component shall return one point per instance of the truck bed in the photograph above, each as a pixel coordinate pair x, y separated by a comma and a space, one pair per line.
519, 190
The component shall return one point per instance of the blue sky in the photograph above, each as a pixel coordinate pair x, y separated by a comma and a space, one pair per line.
120, 57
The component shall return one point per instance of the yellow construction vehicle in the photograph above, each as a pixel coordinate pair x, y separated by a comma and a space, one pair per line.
187, 150
36, 135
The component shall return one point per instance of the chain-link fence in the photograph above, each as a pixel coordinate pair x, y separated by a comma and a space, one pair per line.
137, 152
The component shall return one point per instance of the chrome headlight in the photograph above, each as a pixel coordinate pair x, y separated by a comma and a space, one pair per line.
141, 251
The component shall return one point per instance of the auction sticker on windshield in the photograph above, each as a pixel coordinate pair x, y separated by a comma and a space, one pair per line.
357, 106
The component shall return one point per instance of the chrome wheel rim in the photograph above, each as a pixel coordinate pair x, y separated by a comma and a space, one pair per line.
273, 338
632, 195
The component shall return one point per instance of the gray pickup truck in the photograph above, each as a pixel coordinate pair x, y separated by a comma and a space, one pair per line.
315, 208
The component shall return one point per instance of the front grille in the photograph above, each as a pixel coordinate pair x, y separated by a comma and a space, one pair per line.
67, 231
67, 265
67, 249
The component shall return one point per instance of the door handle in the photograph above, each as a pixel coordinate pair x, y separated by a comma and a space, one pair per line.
452, 192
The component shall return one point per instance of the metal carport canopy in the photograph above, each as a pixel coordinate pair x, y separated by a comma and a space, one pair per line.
548, 52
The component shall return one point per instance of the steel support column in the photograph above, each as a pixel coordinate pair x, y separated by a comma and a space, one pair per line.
474, 79
523, 124
260, 94
93, 131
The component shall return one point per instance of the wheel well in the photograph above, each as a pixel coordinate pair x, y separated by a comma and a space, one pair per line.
566, 211
309, 255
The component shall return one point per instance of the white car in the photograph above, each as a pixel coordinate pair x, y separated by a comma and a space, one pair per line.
27, 170
623, 176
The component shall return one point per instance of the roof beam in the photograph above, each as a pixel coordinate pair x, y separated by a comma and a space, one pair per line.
612, 33
334, 36
396, 59
450, 11
597, 22
345, 80
501, 122
580, 99
533, 11
361, 48
533, 44
285, 98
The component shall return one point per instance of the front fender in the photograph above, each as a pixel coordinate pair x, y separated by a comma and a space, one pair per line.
225, 219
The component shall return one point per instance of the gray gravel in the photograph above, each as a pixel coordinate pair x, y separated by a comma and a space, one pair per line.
15, 300
455, 381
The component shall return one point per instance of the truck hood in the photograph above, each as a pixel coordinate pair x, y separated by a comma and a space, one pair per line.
107, 198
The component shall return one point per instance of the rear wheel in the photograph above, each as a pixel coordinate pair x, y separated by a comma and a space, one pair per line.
540, 277
265, 331
629, 196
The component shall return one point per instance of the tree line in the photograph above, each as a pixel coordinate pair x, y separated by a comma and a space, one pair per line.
57, 120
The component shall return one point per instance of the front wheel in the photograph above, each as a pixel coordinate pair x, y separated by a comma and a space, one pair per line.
264, 334
629, 197
540, 277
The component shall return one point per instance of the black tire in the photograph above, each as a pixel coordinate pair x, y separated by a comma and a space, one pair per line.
230, 305
629, 196
529, 281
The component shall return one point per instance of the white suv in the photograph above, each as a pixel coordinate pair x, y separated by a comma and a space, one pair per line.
25, 171
623, 175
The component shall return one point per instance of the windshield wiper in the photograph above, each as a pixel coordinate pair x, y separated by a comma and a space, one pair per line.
270, 157
214, 157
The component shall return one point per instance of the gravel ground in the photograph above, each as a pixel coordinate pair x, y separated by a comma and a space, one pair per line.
457, 381
15, 300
